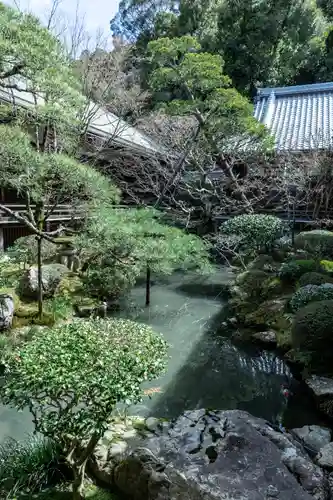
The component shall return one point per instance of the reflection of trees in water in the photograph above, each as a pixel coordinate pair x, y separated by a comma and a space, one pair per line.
218, 375
266, 362
215, 374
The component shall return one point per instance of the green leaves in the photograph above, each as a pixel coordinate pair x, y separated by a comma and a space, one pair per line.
35, 139
46, 176
196, 85
178, 61
124, 242
255, 230
31, 54
72, 376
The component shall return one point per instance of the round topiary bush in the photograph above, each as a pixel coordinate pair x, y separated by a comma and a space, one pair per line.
292, 270
318, 241
256, 230
314, 278
327, 266
312, 329
311, 293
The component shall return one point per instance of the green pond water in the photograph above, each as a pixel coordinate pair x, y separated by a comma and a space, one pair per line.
205, 369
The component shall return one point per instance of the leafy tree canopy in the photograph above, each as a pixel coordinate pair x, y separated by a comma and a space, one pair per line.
31, 58
139, 238
262, 42
265, 43
196, 85
48, 177
35, 141
72, 376
118, 245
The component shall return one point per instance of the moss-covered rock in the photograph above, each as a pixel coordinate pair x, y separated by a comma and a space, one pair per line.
12, 293
264, 262
269, 314
292, 270
52, 274
283, 337
253, 282
70, 286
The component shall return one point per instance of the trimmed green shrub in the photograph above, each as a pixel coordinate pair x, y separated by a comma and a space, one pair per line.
311, 293
72, 376
25, 250
314, 278
256, 230
327, 266
312, 329
318, 241
292, 270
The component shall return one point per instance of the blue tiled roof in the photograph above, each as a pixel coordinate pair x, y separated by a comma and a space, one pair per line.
299, 117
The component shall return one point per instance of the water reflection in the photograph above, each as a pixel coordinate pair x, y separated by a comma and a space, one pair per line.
205, 370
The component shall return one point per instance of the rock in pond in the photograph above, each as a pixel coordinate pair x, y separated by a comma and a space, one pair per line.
322, 389
6, 311
268, 337
215, 455
51, 277
325, 456
320, 386
313, 436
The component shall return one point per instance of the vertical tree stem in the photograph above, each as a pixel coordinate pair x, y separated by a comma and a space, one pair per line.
40, 281
148, 286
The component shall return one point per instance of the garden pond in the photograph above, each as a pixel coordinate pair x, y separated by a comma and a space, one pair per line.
205, 369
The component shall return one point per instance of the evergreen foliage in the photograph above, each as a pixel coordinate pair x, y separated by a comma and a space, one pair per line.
311, 293
255, 230
72, 376
118, 245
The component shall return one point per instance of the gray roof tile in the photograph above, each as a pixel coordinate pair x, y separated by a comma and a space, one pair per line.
299, 117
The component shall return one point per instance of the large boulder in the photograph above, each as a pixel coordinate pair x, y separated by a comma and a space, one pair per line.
6, 311
52, 275
211, 455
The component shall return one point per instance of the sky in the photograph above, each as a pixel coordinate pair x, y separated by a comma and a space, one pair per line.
98, 13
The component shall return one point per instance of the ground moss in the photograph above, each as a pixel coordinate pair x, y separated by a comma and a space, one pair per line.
283, 338
70, 286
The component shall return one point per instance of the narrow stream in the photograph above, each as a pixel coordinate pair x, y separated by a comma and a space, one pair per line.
205, 369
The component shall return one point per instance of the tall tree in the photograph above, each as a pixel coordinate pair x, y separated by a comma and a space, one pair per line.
37, 142
195, 85
136, 18
264, 43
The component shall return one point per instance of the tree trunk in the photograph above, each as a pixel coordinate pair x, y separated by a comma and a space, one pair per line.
148, 287
40, 281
